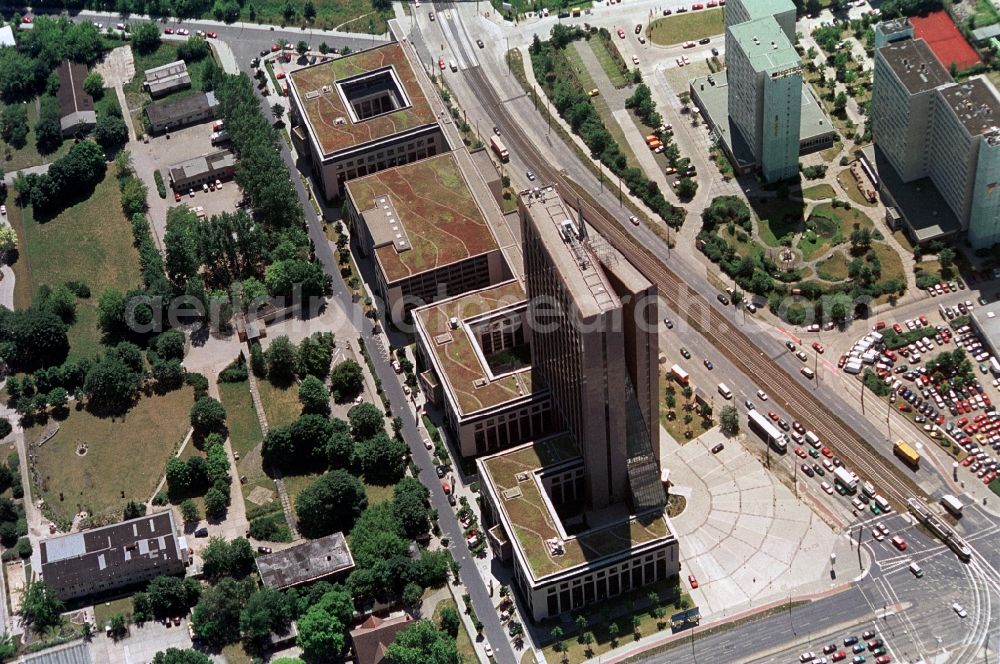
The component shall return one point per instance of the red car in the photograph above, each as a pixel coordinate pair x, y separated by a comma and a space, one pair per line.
818, 347
923, 320
697, 6
899, 543
441, 64
827, 452
839, 655
801, 452
842, 361
275, 47
693, 581
168, 31
880, 325
883, 659
177, 197
212, 35
773, 415
446, 487
621, 33
25, 19
897, 328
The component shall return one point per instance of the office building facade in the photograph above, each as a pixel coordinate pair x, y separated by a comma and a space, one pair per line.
765, 83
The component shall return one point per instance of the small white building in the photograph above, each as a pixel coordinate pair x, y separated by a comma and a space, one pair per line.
7, 36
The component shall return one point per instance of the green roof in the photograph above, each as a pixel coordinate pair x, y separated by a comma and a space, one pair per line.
533, 523
455, 355
765, 44
327, 113
437, 211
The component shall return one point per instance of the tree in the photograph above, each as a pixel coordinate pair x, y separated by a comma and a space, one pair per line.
40, 608
382, 459
840, 102
181, 243
309, 11
409, 505
93, 84
346, 379
208, 416
315, 353
119, 627
216, 618
729, 420
216, 503
329, 504
145, 36
266, 611
178, 656
450, 621
38, 337
190, 512
110, 386
314, 396
320, 634
222, 558
946, 257
110, 132
613, 631
281, 360
48, 130
14, 121
171, 595
422, 642
366, 421
412, 594
686, 188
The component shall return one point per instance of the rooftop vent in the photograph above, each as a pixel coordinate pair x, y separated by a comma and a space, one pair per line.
453, 323
480, 382
340, 121
522, 477
312, 94
327, 89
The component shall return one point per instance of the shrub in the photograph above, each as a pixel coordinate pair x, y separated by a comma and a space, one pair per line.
161, 188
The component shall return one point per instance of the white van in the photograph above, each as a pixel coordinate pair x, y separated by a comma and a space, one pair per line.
453, 65
915, 569
725, 391
812, 439
807, 372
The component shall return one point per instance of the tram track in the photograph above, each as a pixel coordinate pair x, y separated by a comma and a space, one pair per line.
702, 316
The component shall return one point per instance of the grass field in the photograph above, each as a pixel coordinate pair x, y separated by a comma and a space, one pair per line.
848, 184
91, 242
150, 432
466, 651
16, 159
346, 15
778, 218
244, 429
834, 268
986, 13
892, 264
684, 27
582, 73
819, 192
281, 404
104, 610
603, 56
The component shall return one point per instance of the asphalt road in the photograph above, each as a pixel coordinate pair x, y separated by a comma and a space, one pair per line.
447, 520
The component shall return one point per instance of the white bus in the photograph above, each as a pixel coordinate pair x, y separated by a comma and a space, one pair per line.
761, 426
952, 504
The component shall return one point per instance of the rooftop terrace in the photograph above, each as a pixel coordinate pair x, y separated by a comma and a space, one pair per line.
323, 94
455, 353
422, 216
532, 521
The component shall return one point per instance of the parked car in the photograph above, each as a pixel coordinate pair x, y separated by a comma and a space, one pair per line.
693, 581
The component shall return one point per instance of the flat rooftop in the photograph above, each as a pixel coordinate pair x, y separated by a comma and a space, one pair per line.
988, 320
915, 64
455, 351
714, 104
765, 44
974, 102
325, 103
923, 209
583, 264
762, 8
302, 563
532, 522
422, 216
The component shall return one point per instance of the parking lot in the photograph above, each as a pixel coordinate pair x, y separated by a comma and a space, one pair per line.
941, 376
162, 152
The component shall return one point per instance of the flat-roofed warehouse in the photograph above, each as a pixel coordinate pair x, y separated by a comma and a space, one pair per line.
360, 114
167, 78
219, 165
105, 559
306, 562
427, 232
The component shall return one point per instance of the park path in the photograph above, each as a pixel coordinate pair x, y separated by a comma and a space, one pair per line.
279, 482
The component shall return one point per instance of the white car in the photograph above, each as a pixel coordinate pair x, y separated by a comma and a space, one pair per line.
488, 649
3, 210
635, 59
634, 219
762, 395
957, 608
826, 487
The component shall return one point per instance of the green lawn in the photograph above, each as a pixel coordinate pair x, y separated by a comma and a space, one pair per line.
16, 159
294, 484
281, 404
611, 69
686, 27
892, 264
244, 429
346, 15
126, 455
91, 242
845, 219
104, 610
582, 73
834, 268
819, 192
778, 218
986, 13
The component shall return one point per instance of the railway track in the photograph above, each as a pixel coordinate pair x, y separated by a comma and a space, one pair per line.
798, 401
